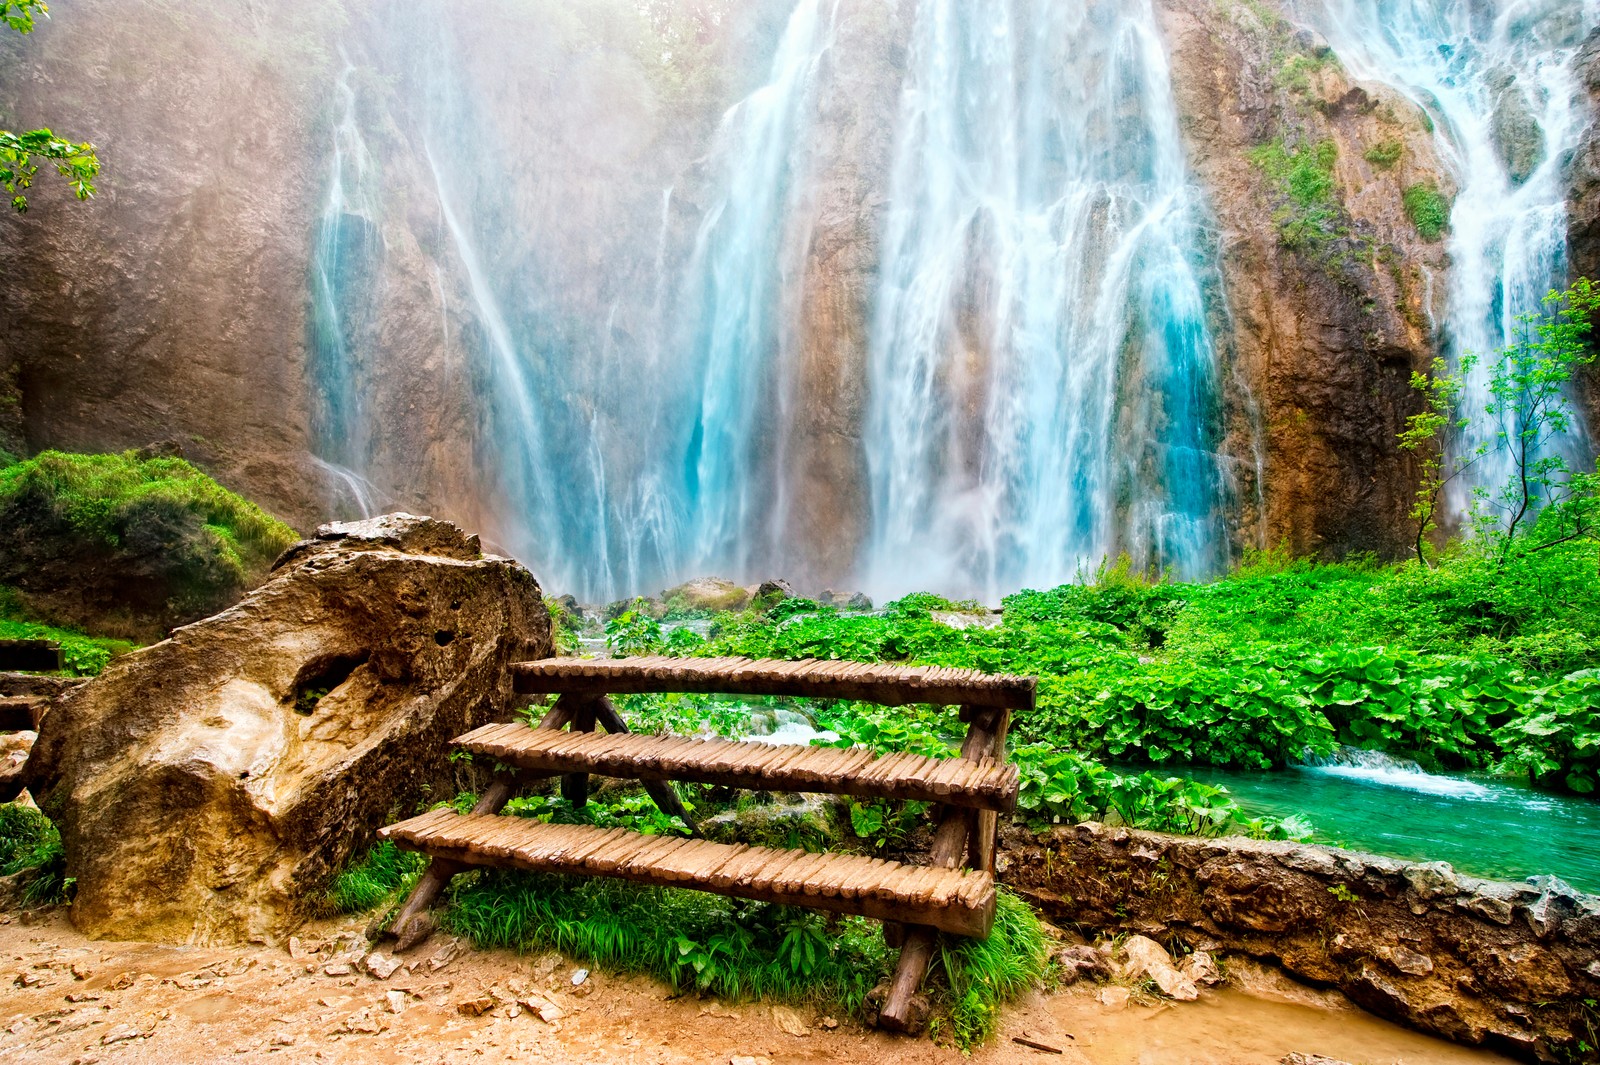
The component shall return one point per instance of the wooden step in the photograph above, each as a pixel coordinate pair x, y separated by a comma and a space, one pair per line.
981, 784
948, 899
886, 685
21, 713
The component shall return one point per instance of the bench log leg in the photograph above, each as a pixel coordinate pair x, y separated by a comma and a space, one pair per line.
575, 786
414, 924
957, 827
666, 799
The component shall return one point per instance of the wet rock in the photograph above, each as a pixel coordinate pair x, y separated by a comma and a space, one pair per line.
1114, 998
1147, 959
1408, 961
1201, 967
1418, 944
207, 788
773, 591
711, 594
1082, 963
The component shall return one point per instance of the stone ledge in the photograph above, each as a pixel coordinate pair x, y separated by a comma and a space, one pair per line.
1478, 962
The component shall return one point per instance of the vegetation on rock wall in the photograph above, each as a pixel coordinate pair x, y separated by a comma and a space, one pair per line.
1428, 209
23, 154
126, 545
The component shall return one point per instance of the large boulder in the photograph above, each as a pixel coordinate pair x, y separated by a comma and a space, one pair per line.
208, 788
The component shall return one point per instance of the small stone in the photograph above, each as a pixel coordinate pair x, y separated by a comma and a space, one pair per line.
28, 979
297, 949
747, 1059
1114, 998
1082, 962
445, 955
475, 1007
579, 976
396, 1001
546, 1011
362, 1022
1147, 958
1201, 967
1408, 961
380, 965
121, 982
582, 990
828, 1024
80, 971
1309, 1059
122, 1033
282, 1039
789, 1022
1594, 969
338, 968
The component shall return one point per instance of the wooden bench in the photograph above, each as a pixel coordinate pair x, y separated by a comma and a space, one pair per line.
30, 656
954, 892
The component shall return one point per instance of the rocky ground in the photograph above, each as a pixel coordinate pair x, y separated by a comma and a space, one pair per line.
67, 999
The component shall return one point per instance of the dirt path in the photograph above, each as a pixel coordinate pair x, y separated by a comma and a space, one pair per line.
66, 1000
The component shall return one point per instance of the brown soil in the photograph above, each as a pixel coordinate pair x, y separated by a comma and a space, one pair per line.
144, 1003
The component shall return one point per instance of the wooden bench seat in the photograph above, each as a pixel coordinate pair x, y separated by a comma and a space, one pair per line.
982, 785
951, 900
886, 685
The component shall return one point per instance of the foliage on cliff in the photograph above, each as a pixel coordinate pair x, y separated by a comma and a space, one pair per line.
128, 546
22, 155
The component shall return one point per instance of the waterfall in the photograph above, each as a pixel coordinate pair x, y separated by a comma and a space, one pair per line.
343, 258
1499, 83
1043, 378
746, 260
1385, 770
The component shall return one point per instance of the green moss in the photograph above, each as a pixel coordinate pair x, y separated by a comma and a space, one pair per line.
81, 655
1428, 209
1310, 218
107, 497
96, 537
1385, 153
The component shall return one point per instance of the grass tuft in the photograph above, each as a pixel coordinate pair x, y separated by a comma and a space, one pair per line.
381, 874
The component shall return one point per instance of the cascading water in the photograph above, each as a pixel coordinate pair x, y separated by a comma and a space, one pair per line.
1043, 376
1499, 82
747, 253
347, 244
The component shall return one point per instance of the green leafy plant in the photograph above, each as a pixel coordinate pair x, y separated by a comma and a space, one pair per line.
383, 873
1428, 209
1385, 153
22, 155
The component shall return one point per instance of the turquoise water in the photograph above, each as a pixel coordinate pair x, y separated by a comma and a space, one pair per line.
1483, 826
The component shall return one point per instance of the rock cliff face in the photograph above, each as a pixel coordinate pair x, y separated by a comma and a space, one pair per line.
186, 302
1329, 314
173, 304
1477, 962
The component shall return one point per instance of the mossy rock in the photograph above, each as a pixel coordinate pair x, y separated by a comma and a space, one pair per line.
129, 546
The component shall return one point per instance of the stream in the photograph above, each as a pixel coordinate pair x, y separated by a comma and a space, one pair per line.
1483, 825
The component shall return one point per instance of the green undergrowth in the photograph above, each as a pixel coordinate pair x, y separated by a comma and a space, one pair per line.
29, 841
1482, 662
383, 873
736, 950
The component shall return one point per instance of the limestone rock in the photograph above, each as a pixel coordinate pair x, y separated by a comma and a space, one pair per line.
1149, 959
1082, 962
1201, 967
789, 1022
712, 594
208, 787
